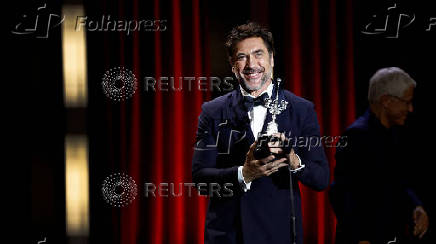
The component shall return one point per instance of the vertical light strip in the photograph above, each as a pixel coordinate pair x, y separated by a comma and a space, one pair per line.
74, 58
76, 145
77, 185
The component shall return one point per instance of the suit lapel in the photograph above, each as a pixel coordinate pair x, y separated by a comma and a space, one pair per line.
239, 117
283, 119
240, 121
268, 119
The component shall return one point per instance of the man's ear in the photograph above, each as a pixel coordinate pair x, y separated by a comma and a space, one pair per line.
272, 60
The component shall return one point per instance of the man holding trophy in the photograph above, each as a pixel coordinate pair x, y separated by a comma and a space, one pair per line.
243, 138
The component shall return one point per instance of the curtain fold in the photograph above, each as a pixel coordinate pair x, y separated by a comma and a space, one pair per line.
151, 135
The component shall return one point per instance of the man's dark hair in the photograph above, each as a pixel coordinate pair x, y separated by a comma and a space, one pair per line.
251, 29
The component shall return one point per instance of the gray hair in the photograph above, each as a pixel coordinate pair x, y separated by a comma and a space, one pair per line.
389, 81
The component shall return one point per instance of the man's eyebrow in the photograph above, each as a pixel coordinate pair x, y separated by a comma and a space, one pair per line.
258, 51
254, 52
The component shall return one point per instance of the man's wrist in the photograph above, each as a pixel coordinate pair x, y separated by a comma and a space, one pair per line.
244, 176
299, 166
244, 184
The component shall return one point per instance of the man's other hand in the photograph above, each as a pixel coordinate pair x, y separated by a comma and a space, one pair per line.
275, 147
293, 159
254, 169
420, 218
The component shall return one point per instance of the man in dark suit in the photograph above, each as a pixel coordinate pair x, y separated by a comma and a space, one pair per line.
370, 195
259, 210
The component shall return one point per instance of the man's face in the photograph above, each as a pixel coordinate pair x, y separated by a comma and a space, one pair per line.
252, 64
399, 107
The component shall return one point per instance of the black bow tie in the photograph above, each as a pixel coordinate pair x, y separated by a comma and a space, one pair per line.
250, 102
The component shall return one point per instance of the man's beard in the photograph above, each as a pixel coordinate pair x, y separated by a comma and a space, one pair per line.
249, 88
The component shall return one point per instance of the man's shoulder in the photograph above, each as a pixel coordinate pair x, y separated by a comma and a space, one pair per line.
217, 104
360, 127
360, 123
296, 100
298, 104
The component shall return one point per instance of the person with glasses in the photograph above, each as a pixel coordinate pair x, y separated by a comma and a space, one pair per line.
370, 194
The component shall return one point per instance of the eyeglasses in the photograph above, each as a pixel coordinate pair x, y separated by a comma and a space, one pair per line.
408, 103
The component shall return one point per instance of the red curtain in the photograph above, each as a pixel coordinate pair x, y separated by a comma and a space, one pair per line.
316, 53
179, 219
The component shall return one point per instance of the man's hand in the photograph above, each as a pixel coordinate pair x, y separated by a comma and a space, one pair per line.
420, 218
275, 147
254, 169
294, 161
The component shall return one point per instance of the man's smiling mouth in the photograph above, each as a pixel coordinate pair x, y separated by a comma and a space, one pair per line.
253, 73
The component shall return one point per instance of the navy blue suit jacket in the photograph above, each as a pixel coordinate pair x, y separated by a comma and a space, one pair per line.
370, 194
262, 214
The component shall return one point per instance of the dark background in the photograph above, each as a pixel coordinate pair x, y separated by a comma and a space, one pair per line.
38, 111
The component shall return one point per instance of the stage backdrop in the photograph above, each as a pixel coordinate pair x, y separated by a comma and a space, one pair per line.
151, 135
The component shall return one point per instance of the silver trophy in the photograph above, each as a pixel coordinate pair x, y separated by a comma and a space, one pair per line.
275, 108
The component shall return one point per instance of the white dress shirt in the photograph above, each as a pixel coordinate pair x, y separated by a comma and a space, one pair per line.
257, 116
